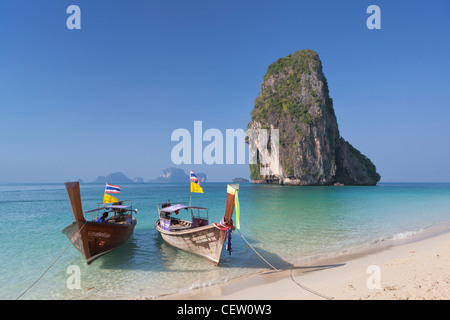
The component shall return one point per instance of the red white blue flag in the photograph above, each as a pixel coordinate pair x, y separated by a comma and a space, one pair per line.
112, 188
194, 178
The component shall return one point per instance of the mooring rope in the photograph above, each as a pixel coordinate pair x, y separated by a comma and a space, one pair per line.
268, 263
40, 277
292, 278
257, 252
309, 289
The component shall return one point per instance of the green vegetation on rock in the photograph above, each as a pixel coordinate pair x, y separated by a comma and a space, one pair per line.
294, 99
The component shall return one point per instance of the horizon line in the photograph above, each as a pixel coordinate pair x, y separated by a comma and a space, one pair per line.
249, 181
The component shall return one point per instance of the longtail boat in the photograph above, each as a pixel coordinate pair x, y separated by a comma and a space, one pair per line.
94, 239
197, 236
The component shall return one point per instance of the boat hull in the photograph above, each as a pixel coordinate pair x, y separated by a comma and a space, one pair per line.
95, 239
206, 242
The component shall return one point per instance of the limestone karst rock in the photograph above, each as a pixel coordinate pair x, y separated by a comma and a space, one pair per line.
294, 99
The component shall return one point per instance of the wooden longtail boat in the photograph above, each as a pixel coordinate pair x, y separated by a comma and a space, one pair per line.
196, 236
94, 239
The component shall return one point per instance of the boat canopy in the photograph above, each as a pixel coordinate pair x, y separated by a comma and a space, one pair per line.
114, 206
177, 207
117, 206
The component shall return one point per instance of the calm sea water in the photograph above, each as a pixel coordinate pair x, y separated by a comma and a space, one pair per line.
285, 224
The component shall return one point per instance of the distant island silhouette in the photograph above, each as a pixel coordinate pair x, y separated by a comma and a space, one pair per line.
175, 175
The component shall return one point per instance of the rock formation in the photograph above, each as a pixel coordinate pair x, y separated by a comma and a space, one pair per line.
175, 175
240, 180
294, 99
116, 177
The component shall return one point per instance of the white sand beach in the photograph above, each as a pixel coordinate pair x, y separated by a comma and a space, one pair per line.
414, 270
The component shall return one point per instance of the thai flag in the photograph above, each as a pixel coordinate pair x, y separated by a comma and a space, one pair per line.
194, 178
112, 188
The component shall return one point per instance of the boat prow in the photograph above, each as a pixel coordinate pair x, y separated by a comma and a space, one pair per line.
94, 239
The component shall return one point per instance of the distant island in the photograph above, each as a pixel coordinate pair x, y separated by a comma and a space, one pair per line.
175, 175
116, 177
240, 180
294, 99
170, 175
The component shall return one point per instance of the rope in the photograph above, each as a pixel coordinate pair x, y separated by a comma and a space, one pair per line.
40, 277
292, 278
257, 252
310, 290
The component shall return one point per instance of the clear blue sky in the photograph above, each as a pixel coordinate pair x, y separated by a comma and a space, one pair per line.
84, 103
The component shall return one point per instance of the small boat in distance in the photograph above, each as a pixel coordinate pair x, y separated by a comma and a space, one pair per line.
94, 239
196, 236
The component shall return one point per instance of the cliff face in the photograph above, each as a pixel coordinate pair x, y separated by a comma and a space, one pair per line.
294, 99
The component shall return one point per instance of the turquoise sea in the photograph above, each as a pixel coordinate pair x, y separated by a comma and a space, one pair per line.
287, 225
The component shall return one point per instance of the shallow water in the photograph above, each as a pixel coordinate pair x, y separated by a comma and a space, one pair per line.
284, 224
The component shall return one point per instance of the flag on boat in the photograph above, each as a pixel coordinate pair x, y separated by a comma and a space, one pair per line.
112, 188
109, 199
235, 192
195, 183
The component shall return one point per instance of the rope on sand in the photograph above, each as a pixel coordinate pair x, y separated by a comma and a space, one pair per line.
291, 277
309, 289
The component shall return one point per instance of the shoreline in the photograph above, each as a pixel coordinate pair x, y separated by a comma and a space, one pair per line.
415, 267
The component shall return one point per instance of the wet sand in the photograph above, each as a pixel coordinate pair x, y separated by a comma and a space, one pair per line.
408, 269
